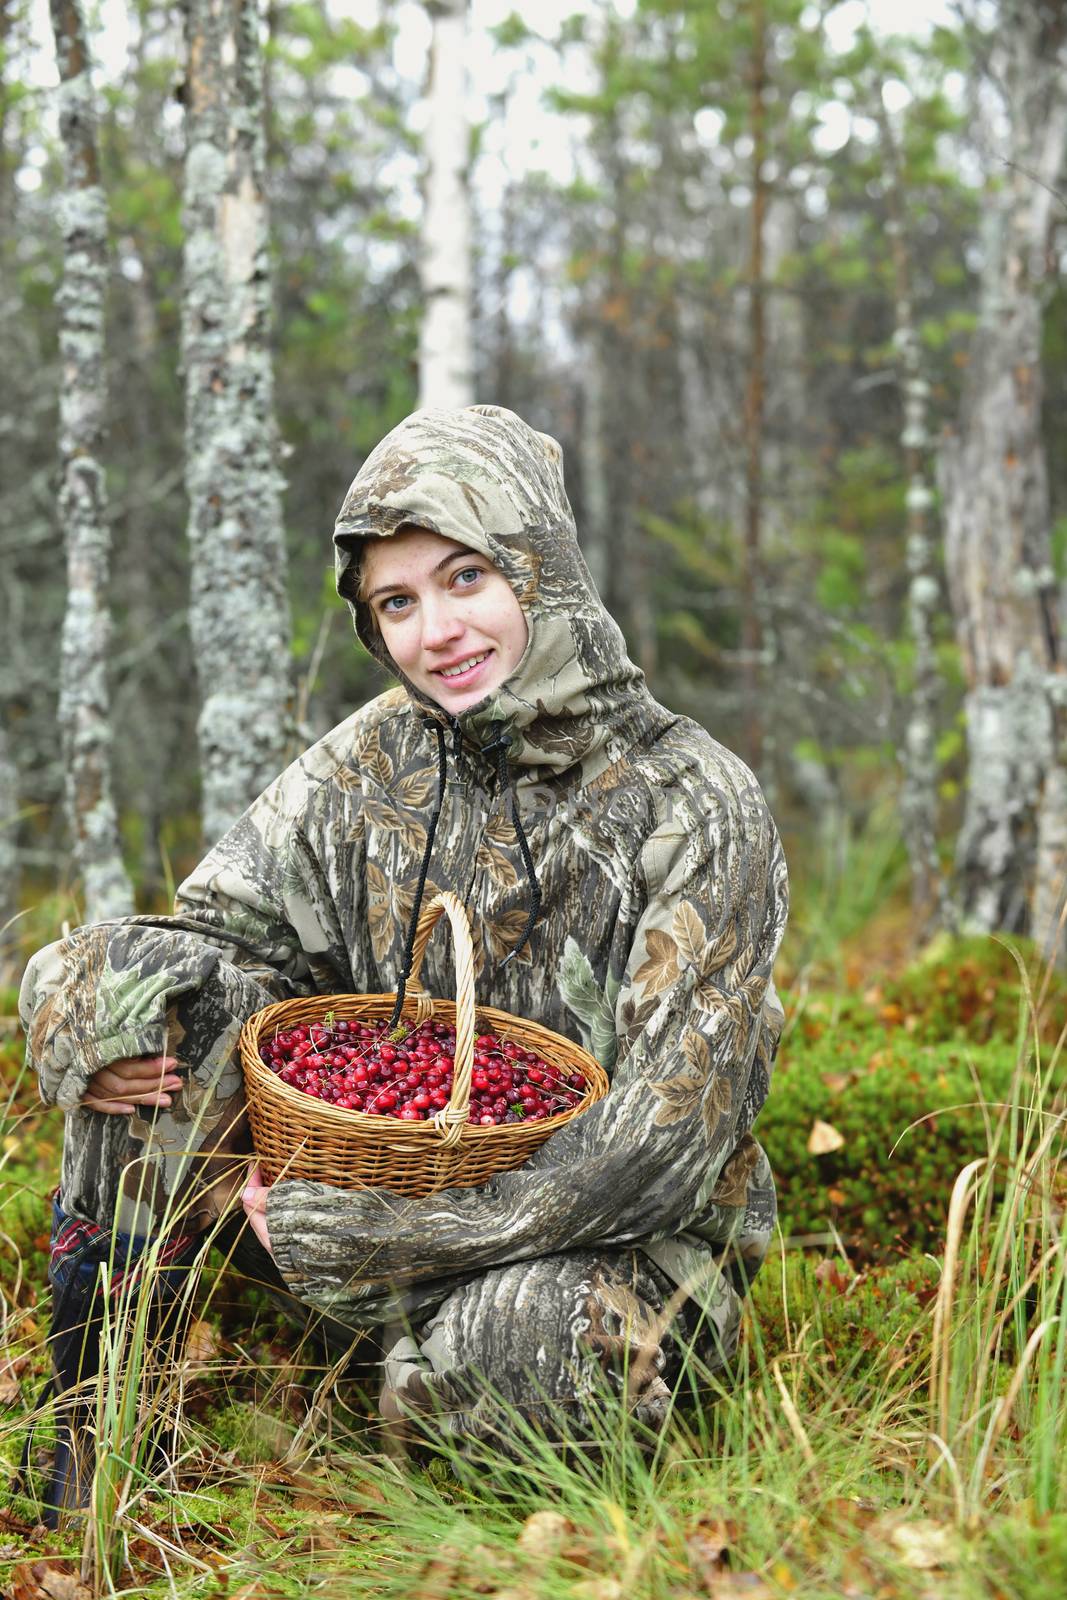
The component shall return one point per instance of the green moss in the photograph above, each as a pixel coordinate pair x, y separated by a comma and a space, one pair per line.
912, 1103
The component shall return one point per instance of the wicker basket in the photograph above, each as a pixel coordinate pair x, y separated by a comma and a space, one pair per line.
297, 1136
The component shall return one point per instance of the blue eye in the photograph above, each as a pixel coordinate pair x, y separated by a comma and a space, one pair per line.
471, 574
394, 602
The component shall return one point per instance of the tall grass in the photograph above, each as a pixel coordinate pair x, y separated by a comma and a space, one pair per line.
939, 1444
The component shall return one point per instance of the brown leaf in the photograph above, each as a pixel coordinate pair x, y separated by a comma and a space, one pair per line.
544, 1533
660, 969
708, 1546
718, 1102
10, 1368
414, 789
47, 1580
502, 934
823, 1139
496, 865
719, 951
836, 1082
680, 1095
378, 767
697, 1054
690, 934
202, 1344
925, 1545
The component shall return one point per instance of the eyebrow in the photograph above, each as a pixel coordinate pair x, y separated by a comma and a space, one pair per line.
455, 555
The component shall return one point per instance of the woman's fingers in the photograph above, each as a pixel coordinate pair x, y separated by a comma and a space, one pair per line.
254, 1200
123, 1085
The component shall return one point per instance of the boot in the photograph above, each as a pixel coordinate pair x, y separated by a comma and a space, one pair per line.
74, 1345
78, 1250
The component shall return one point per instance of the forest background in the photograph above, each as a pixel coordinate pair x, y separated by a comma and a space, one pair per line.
788, 287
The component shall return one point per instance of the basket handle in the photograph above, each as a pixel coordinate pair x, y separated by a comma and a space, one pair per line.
452, 1118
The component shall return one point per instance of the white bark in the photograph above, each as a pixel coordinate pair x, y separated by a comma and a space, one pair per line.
595, 540
446, 368
239, 616
997, 546
84, 705
930, 899
9, 861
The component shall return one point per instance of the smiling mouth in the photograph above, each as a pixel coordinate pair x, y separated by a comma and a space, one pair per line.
463, 668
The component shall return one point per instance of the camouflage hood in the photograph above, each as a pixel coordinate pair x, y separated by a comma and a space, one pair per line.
485, 478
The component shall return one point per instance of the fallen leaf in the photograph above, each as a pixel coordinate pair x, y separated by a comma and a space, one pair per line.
708, 1546
544, 1534
836, 1082
823, 1139
10, 1369
598, 1589
47, 1580
828, 1272
925, 1545
740, 1586
202, 1344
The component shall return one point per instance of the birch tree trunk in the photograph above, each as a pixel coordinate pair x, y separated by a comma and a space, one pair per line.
929, 897
9, 860
446, 367
997, 546
84, 705
755, 400
239, 616
595, 540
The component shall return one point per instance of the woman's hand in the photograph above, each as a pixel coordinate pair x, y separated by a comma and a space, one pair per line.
137, 1081
254, 1200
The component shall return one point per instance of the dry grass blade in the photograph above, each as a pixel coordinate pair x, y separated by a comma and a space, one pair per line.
1000, 1417
792, 1416
963, 1191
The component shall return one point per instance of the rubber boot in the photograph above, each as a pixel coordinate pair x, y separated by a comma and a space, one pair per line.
74, 1344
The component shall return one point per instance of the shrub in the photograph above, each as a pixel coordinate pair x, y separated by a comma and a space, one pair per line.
910, 1114
972, 989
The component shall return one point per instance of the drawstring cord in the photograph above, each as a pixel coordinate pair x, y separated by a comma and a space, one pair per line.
499, 747
409, 947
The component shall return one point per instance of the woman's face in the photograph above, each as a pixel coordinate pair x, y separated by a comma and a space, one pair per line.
446, 615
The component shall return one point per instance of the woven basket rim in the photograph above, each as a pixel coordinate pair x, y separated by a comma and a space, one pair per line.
369, 1122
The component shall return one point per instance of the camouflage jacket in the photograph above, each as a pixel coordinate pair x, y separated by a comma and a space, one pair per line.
664, 903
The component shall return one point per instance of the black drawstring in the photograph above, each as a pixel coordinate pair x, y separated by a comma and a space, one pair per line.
499, 747
442, 778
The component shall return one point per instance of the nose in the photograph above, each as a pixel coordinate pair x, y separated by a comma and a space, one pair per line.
441, 622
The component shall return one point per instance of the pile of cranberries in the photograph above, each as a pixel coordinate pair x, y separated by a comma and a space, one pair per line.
407, 1074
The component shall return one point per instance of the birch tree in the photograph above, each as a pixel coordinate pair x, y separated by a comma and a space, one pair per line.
84, 711
446, 369
997, 539
919, 795
239, 617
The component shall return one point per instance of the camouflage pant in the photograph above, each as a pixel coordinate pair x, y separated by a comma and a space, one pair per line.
553, 1345
547, 1339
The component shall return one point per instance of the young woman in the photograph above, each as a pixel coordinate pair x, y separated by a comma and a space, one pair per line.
626, 887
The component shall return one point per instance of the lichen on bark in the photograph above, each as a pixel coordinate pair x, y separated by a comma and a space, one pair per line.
239, 617
997, 521
84, 701
446, 362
